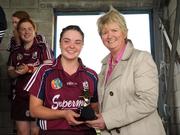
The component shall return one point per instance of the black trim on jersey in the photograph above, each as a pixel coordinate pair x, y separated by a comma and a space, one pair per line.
42, 85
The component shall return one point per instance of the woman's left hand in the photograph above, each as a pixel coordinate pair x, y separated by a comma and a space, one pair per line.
98, 123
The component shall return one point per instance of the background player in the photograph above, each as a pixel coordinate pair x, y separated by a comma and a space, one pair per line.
21, 64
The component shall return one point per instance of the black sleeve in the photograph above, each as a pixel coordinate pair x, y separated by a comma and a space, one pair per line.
3, 23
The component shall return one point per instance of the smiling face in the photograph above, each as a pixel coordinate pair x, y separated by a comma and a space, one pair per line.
113, 37
71, 44
26, 32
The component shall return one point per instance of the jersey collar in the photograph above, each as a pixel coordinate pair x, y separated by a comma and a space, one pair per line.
58, 64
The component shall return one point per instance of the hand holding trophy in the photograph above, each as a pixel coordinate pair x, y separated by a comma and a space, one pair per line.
86, 112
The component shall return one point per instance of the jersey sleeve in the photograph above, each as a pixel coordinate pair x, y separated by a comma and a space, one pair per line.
3, 23
40, 38
46, 52
13, 45
36, 86
10, 61
95, 95
94, 78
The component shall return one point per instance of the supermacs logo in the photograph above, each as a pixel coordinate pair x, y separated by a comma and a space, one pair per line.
71, 104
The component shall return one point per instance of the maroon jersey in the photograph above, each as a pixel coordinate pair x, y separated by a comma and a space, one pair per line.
59, 91
32, 57
13, 45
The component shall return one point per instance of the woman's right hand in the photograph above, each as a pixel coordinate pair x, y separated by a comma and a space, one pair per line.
22, 69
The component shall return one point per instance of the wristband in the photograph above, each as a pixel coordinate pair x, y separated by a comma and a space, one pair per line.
30, 69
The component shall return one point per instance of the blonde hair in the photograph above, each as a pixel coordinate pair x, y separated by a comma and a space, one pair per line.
112, 16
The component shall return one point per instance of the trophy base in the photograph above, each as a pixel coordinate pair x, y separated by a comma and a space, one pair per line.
87, 113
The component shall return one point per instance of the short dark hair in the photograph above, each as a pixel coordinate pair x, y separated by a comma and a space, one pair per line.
72, 27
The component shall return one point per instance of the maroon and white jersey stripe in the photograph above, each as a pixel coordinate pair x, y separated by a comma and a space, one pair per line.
58, 91
35, 56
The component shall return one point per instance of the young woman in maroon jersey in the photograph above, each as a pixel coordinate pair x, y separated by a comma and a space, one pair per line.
15, 40
57, 90
21, 64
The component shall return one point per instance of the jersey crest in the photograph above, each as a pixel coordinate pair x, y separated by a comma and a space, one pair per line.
19, 56
56, 83
34, 55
